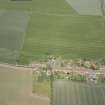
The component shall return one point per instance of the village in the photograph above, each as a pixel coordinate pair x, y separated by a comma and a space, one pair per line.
85, 71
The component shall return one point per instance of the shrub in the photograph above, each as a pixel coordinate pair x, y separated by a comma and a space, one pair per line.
78, 77
101, 78
102, 61
59, 75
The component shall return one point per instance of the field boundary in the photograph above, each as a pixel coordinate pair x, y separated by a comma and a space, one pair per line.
62, 15
23, 67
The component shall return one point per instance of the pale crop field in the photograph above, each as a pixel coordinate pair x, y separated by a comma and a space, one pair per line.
16, 87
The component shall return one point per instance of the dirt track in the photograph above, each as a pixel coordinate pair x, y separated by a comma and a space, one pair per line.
16, 87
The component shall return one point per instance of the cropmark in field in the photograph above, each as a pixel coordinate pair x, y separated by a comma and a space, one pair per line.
13, 26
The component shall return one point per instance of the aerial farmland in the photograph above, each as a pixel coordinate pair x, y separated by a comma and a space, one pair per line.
37, 36
35, 29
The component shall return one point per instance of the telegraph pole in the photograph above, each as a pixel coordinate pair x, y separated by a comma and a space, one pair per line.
103, 7
51, 84
103, 11
51, 64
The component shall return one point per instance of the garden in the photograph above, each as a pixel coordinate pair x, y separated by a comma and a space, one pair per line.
79, 71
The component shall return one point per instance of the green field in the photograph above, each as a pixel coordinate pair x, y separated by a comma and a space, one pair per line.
12, 33
55, 28
75, 93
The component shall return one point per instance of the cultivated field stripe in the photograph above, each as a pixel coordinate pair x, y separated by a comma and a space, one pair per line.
76, 93
59, 14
